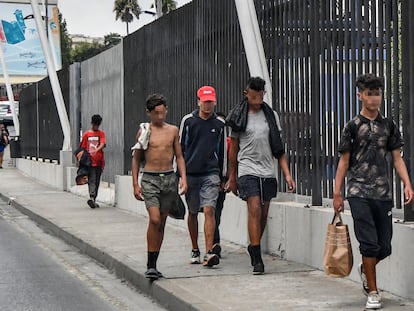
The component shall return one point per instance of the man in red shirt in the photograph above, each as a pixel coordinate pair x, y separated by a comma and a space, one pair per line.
94, 141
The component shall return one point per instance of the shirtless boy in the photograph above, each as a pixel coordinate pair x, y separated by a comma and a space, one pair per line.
158, 186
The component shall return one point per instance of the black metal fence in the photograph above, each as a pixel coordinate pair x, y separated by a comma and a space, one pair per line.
41, 134
199, 44
314, 49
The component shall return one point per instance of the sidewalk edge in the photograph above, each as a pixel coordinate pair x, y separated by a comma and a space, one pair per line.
163, 291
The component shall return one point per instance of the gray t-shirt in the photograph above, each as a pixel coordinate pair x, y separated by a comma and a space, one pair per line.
255, 155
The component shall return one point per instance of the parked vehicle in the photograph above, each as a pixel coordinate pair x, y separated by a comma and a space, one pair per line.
6, 115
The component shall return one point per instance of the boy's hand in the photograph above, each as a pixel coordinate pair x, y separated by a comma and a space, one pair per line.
183, 187
138, 193
408, 195
291, 185
338, 203
231, 185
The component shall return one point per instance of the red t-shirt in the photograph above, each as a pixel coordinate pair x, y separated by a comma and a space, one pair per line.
90, 141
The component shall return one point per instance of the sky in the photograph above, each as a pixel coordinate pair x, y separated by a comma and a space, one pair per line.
95, 18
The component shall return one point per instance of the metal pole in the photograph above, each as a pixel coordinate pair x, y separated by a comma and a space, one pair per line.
316, 122
54, 81
407, 8
253, 44
9, 91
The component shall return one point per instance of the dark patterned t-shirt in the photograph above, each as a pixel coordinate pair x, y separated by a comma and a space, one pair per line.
369, 143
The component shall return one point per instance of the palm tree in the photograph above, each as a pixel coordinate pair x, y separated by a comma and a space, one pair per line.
126, 10
166, 6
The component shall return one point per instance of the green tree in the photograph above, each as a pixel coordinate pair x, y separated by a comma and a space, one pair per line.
126, 10
112, 39
166, 5
85, 50
65, 43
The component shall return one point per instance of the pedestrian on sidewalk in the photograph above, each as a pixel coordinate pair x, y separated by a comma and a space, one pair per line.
93, 141
222, 194
366, 143
255, 142
203, 141
157, 143
4, 141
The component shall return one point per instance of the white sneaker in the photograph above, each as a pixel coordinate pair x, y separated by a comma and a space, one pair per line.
195, 256
373, 301
364, 281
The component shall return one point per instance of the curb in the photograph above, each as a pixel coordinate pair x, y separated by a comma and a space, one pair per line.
163, 291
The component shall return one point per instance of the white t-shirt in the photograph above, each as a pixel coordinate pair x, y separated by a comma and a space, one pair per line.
255, 155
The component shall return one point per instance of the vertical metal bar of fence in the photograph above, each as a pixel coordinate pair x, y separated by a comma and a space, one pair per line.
381, 33
407, 7
308, 110
345, 113
300, 112
394, 110
325, 81
355, 57
374, 36
315, 102
365, 36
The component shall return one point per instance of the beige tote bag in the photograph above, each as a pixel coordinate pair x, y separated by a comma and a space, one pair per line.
338, 258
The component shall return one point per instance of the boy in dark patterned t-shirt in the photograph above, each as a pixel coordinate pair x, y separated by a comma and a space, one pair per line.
366, 142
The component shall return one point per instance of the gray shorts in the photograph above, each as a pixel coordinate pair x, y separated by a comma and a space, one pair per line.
202, 191
160, 190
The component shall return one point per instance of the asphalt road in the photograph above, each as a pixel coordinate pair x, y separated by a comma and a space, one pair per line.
40, 272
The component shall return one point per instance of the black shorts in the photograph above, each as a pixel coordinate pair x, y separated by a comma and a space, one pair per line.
250, 186
372, 226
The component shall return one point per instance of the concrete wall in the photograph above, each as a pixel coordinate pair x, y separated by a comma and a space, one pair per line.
104, 96
51, 174
60, 176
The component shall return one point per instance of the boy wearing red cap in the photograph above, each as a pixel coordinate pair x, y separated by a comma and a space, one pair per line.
203, 142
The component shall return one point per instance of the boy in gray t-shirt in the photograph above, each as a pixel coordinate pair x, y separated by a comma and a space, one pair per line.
255, 142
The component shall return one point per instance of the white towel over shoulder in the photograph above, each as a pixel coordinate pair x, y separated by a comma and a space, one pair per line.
143, 138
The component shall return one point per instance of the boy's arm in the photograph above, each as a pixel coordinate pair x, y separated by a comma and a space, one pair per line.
401, 169
222, 152
102, 143
135, 172
180, 164
286, 172
338, 202
232, 182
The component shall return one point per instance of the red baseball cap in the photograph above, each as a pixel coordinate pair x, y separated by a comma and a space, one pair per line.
206, 93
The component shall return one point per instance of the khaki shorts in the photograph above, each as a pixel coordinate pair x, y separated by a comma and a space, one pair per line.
160, 190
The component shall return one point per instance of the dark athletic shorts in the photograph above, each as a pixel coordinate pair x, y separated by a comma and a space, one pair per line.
372, 226
250, 186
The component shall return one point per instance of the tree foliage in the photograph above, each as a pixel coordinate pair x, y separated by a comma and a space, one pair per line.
85, 50
166, 6
65, 43
112, 39
125, 10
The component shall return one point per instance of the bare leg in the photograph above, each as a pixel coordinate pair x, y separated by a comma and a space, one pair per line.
192, 222
155, 232
209, 226
263, 220
254, 219
369, 264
